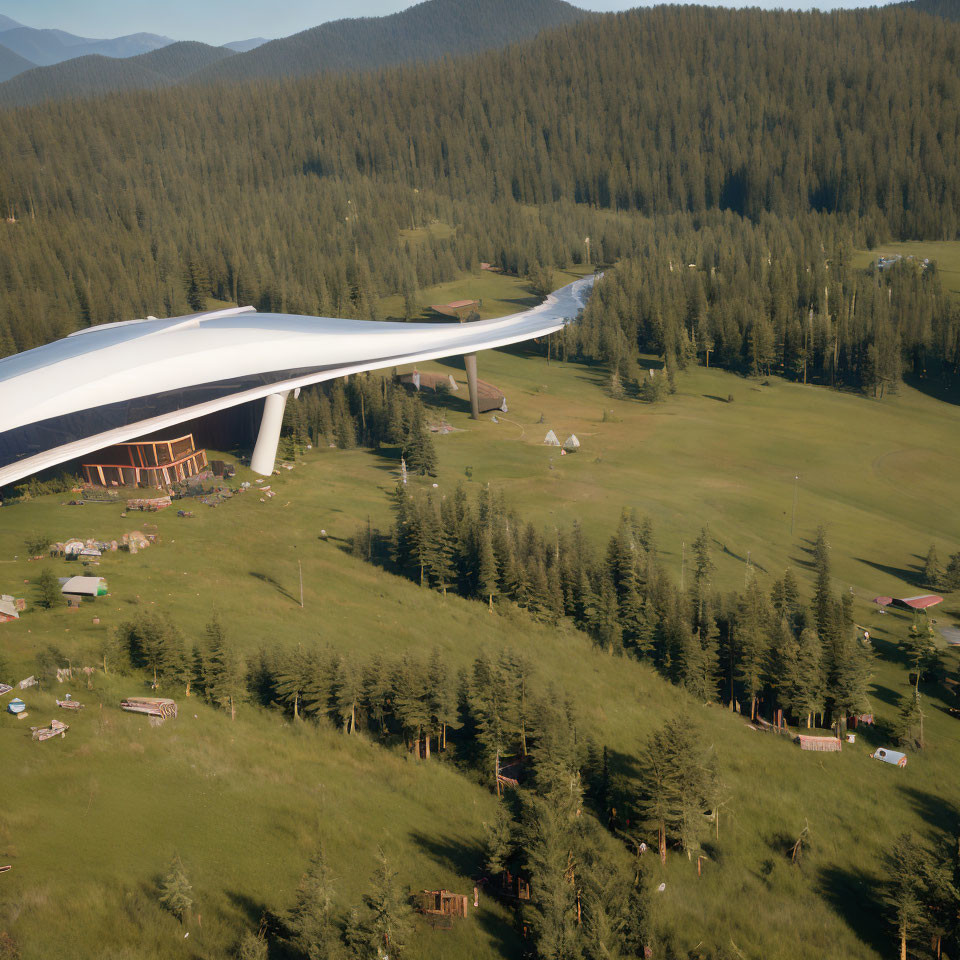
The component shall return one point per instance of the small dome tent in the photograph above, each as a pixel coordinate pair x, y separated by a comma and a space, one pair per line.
571, 444
551, 439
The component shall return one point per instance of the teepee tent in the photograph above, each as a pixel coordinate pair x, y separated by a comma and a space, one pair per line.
551, 439
571, 444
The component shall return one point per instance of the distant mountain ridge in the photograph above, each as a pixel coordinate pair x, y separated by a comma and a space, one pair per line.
47, 47
97, 74
11, 64
244, 46
427, 31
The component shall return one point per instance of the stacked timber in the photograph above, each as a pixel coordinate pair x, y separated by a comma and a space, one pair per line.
69, 705
820, 744
151, 706
45, 733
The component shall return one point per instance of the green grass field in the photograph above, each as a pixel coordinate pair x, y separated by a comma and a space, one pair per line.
90, 822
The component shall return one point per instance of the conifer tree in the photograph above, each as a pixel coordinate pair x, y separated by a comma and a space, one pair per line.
753, 642
176, 892
932, 572
822, 593
487, 574
48, 587
390, 923
312, 920
225, 674
903, 889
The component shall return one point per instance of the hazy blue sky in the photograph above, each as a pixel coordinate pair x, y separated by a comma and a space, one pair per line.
219, 21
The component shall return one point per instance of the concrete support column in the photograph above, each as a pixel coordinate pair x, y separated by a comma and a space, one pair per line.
470, 362
268, 439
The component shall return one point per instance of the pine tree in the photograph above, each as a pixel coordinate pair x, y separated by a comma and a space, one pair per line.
225, 674
809, 699
252, 946
390, 922
176, 893
500, 842
442, 703
552, 844
908, 728
294, 678
312, 920
347, 692
753, 642
903, 889
932, 572
48, 587
822, 596
418, 445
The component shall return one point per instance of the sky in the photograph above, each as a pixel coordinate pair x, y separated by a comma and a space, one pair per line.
220, 21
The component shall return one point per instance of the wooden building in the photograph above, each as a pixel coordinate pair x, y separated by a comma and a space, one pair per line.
441, 903
146, 463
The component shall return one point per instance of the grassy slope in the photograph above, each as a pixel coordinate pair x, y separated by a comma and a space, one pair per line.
90, 821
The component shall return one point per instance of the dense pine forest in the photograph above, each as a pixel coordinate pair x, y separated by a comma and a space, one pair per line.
672, 136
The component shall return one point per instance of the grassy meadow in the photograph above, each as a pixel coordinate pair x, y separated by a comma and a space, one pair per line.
91, 821
945, 253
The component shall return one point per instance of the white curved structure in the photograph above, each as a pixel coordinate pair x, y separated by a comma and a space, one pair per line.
114, 382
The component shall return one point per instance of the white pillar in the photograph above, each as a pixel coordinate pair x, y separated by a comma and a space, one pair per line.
265, 452
470, 364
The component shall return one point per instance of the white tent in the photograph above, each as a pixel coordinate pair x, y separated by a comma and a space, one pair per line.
571, 443
84, 587
890, 756
551, 439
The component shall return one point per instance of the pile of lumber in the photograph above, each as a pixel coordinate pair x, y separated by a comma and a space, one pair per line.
819, 744
45, 733
150, 504
152, 706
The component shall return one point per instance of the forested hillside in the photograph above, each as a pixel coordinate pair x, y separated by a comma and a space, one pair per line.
428, 31
96, 74
671, 137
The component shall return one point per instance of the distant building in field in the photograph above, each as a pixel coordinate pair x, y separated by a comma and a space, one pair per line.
146, 463
458, 309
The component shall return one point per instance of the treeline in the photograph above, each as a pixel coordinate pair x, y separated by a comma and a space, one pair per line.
558, 827
765, 646
362, 410
768, 298
151, 202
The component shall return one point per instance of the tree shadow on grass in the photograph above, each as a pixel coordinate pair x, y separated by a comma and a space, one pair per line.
911, 574
710, 396
939, 812
736, 556
452, 853
855, 896
885, 695
271, 582
466, 859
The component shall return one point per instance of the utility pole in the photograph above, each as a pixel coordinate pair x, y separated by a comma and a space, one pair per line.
300, 567
793, 518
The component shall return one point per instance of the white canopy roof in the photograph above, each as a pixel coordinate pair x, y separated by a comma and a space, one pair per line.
219, 359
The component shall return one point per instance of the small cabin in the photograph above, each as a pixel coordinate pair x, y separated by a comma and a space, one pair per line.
441, 903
